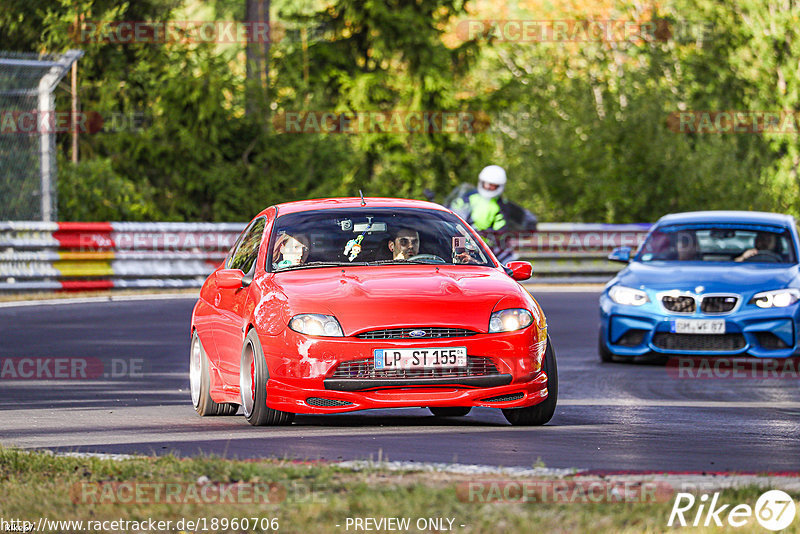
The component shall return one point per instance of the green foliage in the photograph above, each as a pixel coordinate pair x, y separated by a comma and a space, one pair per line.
587, 134
583, 128
386, 56
767, 56
604, 158
93, 191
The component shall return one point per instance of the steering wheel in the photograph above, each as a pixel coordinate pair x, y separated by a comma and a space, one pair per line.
766, 256
427, 257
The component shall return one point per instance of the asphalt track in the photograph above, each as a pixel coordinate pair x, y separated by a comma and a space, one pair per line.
627, 417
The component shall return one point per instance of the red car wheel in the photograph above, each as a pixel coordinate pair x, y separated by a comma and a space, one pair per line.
541, 413
200, 383
253, 376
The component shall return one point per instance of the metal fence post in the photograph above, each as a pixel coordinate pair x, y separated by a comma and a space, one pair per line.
28, 129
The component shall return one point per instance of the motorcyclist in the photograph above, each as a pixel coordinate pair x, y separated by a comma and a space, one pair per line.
482, 207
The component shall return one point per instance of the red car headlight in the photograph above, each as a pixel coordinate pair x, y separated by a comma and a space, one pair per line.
509, 320
316, 324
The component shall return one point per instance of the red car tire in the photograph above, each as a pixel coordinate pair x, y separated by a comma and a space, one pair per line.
541, 413
253, 376
200, 383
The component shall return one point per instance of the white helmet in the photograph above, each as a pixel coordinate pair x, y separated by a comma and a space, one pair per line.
494, 175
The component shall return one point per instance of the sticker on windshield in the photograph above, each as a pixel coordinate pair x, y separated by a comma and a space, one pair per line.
353, 248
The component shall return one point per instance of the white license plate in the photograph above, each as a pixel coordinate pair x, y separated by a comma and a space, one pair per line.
422, 358
697, 326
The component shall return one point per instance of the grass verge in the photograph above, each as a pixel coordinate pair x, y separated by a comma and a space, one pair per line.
306, 498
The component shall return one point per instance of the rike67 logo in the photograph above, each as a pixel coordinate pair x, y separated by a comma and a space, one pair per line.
774, 510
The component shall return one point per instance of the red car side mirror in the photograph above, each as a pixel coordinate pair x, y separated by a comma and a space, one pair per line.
229, 278
520, 270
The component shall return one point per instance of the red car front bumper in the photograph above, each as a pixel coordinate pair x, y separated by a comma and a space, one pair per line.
303, 376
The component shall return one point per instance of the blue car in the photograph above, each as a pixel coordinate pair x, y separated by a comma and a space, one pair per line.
706, 283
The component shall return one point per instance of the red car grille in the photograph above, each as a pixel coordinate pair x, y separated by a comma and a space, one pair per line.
476, 366
327, 403
504, 398
424, 332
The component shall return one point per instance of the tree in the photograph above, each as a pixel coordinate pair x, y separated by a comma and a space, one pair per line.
257, 56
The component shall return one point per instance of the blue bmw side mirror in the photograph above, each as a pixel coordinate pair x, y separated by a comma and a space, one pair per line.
620, 254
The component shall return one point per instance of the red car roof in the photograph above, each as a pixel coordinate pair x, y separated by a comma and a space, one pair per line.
353, 202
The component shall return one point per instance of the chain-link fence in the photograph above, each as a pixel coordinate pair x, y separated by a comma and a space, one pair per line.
28, 127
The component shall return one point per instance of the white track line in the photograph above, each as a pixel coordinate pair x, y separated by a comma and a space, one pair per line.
645, 403
90, 300
168, 296
536, 288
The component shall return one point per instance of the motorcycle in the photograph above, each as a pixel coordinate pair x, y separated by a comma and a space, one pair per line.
518, 219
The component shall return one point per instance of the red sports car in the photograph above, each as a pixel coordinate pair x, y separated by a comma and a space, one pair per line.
335, 305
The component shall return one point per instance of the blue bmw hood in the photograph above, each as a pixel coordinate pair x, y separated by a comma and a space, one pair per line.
713, 277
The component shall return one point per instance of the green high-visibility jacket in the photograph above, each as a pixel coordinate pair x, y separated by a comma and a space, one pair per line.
484, 213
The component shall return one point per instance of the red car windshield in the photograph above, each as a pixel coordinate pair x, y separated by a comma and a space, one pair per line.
372, 237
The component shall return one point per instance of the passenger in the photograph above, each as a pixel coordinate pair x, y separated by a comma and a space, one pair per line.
686, 246
290, 250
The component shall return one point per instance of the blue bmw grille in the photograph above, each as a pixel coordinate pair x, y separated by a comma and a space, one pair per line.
699, 342
719, 304
679, 304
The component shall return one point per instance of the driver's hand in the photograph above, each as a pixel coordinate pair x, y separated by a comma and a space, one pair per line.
465, 257
747, 254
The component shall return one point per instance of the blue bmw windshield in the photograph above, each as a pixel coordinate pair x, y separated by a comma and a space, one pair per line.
727, 242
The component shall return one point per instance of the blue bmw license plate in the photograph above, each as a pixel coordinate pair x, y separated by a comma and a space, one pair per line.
697, 326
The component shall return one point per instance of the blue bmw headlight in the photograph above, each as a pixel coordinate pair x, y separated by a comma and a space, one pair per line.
778, 298
628, 296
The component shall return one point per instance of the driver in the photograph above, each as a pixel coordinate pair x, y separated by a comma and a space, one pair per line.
765, 243
404, 244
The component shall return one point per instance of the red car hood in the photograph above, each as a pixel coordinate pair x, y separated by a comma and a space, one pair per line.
369, 298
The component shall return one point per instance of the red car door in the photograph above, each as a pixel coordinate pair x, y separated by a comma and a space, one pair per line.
234, 304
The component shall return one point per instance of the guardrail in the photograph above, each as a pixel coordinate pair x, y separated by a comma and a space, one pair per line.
91, 256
